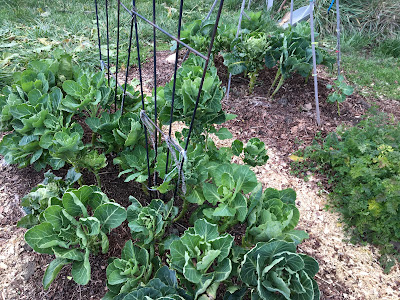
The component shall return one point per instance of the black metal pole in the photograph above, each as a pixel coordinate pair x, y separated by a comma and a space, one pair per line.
174, 84
141, 92
155, 85
127, 66
117, 60
201, 86
108, 44
98, 30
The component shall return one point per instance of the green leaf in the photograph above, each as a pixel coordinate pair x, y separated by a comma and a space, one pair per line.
206, 230
69, 254
237, 147
72, 88
210, 192
223, 134
36, 234
110, 215
81, 270
52, 271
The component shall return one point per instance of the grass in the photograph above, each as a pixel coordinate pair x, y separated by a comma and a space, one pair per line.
32, 29
373, 76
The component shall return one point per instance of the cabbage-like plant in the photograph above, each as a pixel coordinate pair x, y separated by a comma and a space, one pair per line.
201, 256
48, 193
255, 153
148, 223
163, 286
274, 216
74, 228
274, 270
227, 192
126, 273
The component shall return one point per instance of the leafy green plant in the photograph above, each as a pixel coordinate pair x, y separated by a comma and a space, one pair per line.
247, 56
128, 272
274, 216
255, 153
163, 286
209, 111
148, 223
227, 194
201, 256
341, 90
274, 270
46, 194
68, 231
292, 52
363, 163
40, 115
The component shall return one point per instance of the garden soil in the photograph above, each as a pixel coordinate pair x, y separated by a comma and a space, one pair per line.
285, 124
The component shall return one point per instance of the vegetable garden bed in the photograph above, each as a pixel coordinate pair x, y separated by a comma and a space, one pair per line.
346, 271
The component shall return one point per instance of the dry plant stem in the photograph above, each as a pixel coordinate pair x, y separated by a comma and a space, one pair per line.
281, 7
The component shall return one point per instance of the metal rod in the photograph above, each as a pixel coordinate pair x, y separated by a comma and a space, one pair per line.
237, 34
108, 44
201, 85
127, 65
338, 36
211, 10
98, 29
133, 12
171, 115
141, 92
291, 13
117, 60
314, 63
155, 82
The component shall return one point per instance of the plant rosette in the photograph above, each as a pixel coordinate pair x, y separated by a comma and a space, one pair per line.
71, 234
274, 270
201, 257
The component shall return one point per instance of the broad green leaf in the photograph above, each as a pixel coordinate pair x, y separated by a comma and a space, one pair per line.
210, 192
73, 205
81, 270
110, 215
206, 230
52, 271
223, 134
72, 88
70, 254
37, 233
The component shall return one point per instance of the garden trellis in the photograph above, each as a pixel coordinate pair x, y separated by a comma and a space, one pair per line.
155, 131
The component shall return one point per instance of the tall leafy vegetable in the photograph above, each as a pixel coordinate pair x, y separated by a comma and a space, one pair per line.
292, 51
201, 256
274, 270
72, 229
247, 56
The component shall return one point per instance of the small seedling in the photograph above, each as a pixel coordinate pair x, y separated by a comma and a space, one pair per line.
340, 91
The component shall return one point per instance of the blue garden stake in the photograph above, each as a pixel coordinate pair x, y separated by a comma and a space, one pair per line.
330, 6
